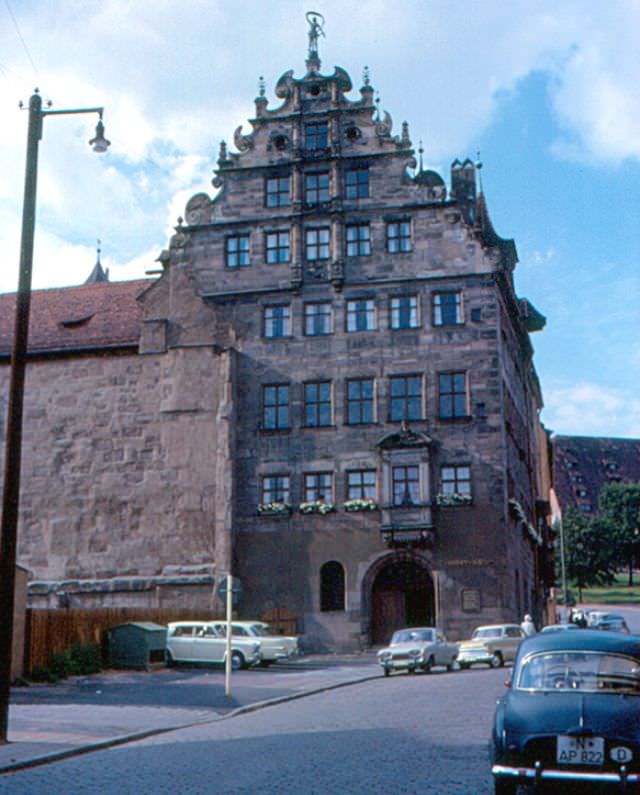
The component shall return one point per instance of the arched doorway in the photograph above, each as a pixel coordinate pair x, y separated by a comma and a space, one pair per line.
402, 595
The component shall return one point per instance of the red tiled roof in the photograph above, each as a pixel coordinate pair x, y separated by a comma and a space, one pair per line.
103, 315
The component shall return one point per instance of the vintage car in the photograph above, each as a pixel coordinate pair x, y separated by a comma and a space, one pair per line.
612, 623
493, 645
559, 627
570, 714
417, 649
202, 642
273, 647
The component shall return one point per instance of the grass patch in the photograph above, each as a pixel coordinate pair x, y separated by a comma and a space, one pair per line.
616, 593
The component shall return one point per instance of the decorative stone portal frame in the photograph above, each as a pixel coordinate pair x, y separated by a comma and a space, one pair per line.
421, 558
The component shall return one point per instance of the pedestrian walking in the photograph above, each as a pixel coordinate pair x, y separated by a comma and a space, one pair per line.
527, 626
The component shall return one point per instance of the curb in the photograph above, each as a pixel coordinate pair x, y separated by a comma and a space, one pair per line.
123, 739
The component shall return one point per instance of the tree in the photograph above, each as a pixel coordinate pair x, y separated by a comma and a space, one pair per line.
620, 509
590, 557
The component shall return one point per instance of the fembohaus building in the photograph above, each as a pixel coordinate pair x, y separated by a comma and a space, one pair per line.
329, 391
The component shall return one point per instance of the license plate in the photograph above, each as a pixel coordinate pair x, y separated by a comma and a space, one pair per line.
580, 750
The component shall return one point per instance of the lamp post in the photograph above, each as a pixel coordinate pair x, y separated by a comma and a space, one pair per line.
13, 442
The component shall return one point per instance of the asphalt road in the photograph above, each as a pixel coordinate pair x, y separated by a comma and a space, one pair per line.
400, 735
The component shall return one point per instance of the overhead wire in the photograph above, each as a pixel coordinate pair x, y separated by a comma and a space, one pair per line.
21, 37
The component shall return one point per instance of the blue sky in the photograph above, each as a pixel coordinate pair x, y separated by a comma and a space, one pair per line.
546, 92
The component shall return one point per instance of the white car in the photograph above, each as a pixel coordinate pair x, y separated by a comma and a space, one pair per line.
273, 647
202, 642
418, 649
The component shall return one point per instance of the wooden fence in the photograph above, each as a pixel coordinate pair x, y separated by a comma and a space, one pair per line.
52, 631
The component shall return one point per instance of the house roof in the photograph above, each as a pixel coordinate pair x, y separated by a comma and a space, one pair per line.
89, 317
584, 465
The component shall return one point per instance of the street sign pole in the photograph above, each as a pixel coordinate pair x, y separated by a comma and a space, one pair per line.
227, 673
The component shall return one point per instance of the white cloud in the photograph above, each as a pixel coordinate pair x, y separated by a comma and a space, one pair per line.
591, 409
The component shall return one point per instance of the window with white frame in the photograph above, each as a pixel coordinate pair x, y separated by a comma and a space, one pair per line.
361, 484
361, 314
275, 488
318, 487
277, 321
455, 480
404, 312
447, 308
405, 484
317, 243
318, 319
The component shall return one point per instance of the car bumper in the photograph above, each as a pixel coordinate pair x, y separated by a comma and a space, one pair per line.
402, 664
538, 773
470, 656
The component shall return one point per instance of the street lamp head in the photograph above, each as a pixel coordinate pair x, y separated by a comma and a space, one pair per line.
100, 143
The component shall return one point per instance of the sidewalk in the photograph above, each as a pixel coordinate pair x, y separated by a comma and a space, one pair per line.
85, 714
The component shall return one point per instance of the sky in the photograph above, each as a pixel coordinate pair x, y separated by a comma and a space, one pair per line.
545, 92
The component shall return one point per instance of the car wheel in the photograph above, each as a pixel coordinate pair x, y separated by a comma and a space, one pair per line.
463, 666
265, 663
453, 665
170, 662
504, 786
496, 660
237, 661
428, 665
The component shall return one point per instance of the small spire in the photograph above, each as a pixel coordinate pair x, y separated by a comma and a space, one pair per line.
222, 155
406, 141
365, 76
420, 153
98, 274
261, 86
478, 165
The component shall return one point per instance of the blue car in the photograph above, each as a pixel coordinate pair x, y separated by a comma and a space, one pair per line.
571, 714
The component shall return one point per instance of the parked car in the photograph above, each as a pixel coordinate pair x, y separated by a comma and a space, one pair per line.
493, 645
273, 647
201, 642
561, 627
570, 713
612, 623
417, 649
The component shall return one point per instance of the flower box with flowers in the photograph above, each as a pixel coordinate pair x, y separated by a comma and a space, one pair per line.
316, 506
453, 499
274, 509
367, 504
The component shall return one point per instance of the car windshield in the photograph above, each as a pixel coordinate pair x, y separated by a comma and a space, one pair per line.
262, 630
407, 635
486, 632
582, 671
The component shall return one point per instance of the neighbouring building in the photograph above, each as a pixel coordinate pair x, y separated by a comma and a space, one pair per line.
329, 390
584, 465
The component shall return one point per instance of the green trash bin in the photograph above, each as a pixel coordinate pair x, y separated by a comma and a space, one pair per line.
138, 644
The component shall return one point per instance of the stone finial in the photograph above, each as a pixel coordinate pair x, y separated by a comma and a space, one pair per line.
365, 76
261, 86
406, 141
222, 154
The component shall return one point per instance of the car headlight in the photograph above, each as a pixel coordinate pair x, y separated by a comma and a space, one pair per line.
384, 656
415, 653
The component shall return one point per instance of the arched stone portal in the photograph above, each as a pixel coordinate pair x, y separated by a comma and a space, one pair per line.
401, 595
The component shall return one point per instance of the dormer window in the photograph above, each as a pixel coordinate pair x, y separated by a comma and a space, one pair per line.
316, 136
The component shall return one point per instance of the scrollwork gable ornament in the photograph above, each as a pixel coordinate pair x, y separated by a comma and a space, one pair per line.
384, 125
243, 143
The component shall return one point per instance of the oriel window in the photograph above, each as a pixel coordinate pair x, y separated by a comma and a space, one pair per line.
406, 485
